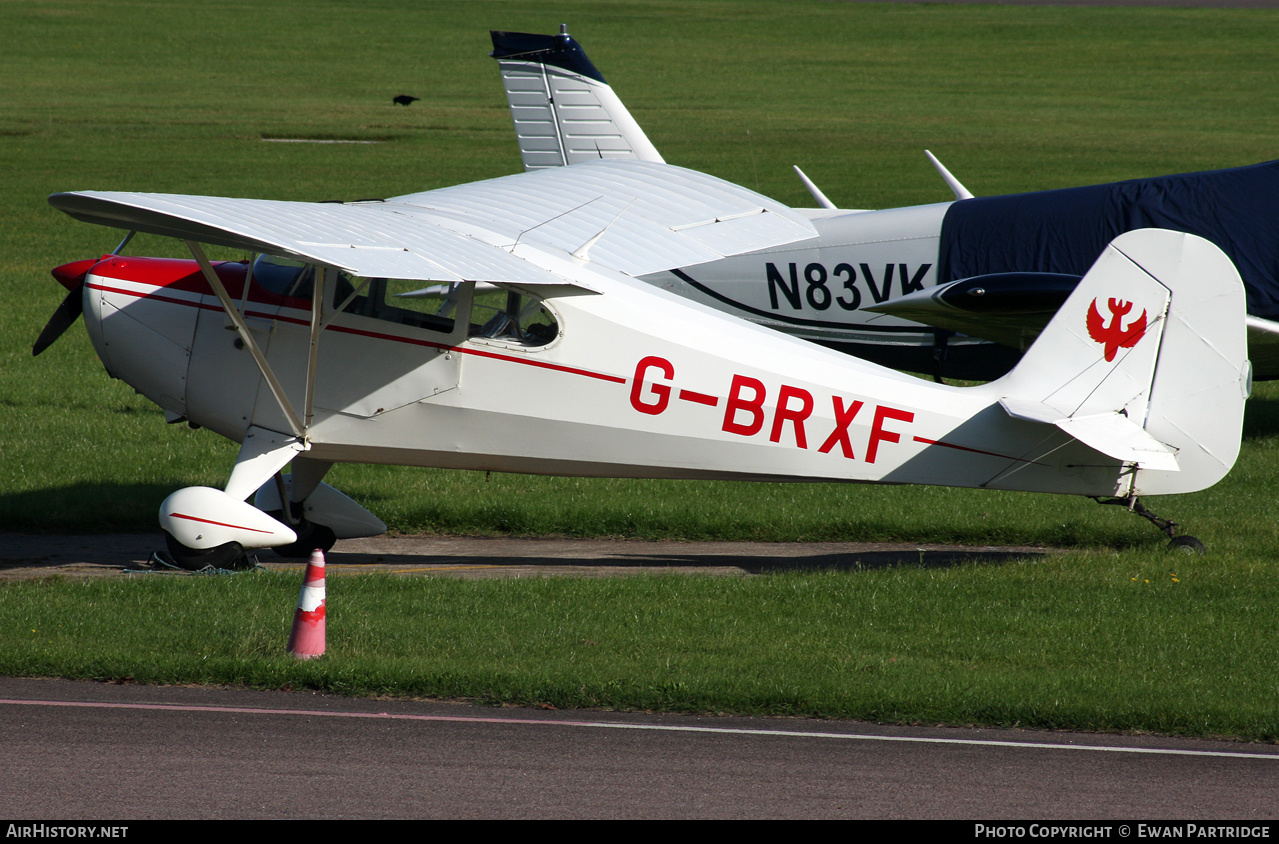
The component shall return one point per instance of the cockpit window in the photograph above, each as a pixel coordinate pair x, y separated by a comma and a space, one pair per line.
506, 315
490, 312
296, 280
415, 303
284, 276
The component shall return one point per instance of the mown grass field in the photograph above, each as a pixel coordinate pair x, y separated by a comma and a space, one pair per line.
177, 97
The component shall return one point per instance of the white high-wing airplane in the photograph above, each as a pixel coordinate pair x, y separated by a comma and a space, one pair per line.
369, 337
917, 288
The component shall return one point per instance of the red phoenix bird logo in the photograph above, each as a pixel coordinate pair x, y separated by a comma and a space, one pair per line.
1113, 336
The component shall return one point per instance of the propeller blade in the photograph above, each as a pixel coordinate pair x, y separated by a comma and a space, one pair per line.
62, 319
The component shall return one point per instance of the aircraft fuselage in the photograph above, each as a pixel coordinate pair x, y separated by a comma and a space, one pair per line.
635, 383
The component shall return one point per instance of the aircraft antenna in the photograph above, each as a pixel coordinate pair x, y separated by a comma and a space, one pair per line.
959, 190
582, 251
814, 190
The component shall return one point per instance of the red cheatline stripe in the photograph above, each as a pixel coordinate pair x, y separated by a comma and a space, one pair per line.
211, 522
615, 379
542, 364
155, 296
975, 450
698, 398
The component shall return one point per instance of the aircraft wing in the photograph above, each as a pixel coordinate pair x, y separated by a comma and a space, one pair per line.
635, 217
362, 238
1006, 308
1263, 347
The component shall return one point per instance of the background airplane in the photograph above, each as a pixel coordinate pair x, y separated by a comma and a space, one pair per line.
982, 275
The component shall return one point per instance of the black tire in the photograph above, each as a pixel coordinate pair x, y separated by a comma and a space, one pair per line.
310, 537
1187, 546
229, 556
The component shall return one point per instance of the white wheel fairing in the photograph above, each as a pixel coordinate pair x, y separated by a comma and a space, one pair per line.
201, 517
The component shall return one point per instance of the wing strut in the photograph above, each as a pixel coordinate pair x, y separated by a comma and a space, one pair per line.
125, 242
317, 314
286, 407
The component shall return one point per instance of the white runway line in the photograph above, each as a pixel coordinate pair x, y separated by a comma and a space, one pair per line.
313, 141
319, 713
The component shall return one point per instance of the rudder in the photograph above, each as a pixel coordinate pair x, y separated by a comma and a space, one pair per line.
564, 112
1146, 362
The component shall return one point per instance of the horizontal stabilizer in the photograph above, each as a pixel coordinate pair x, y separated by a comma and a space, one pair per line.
1110, 433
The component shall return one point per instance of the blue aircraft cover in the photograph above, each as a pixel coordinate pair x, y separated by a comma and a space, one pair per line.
556, 50
1063, 231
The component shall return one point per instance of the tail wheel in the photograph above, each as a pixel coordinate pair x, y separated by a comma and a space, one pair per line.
1186, 546
228, 556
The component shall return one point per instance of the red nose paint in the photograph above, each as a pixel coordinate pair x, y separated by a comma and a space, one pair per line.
72, 275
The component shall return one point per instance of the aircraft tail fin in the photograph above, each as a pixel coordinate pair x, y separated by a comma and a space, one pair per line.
1145, 362
564, 111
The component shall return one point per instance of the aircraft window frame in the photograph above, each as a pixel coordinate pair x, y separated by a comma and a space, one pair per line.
507, 316
391, 301
513, 317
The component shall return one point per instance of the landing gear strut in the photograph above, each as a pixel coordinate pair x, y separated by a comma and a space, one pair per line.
310, 537
1184, 544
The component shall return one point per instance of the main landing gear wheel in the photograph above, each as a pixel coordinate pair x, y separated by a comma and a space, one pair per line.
310, 537
228, 556
1186, 546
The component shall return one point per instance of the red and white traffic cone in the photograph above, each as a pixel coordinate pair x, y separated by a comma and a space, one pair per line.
307, 641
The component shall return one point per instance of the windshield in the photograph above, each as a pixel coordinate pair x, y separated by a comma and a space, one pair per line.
283, 277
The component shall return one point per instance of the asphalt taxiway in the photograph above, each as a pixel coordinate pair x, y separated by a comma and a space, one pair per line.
89, 750
105, 555
75, 750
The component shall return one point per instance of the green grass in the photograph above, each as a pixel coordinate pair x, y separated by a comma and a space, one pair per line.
1028, 644
177, 97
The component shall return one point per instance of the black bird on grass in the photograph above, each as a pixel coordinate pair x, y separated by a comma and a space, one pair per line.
405, 99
